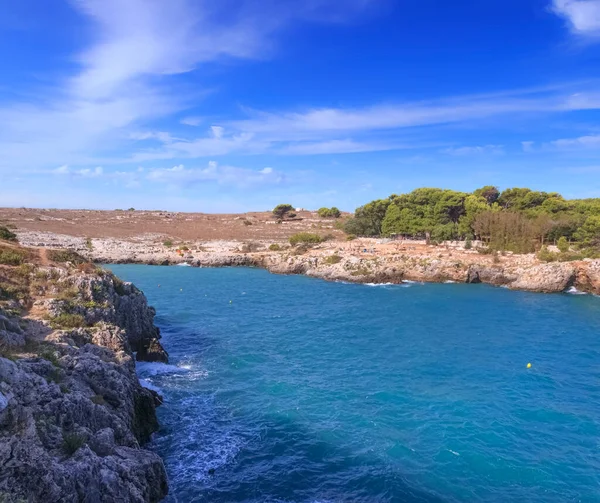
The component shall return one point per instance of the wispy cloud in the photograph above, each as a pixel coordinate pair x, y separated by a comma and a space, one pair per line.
583, 16
213, 172
475, 150
124, 77
590, 141
65, 170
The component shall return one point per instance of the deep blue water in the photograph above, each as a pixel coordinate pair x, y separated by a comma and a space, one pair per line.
300, 390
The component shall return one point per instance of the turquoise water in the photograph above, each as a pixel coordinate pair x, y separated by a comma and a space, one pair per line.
301, 390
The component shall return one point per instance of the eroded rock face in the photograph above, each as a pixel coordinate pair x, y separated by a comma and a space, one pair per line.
105, 298
73, 417
548, 278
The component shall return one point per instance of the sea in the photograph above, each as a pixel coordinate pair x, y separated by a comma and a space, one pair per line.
293, 389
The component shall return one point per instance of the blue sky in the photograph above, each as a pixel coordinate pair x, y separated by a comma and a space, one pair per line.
240, 104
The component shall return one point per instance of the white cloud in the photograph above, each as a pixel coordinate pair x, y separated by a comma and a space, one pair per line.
314, 123
224, 175
124, 77
160, 136
191, 121
217, 131
83, 173
583, 16
527, 146
590, 141
476, 150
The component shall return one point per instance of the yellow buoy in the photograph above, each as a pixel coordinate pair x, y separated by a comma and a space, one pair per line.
529, 365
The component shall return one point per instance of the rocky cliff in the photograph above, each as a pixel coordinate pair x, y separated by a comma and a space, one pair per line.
73, 415
362, 261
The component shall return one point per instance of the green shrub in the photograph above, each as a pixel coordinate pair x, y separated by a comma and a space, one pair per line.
275, 247
329, 212
50, 355
6, 234
66, 320
63, 256
119, 285
333, 259
11, 257
168, 243
306, 238
563, 244
350, 237
468, 243
88, 244
247, 222
72, 442
546, 255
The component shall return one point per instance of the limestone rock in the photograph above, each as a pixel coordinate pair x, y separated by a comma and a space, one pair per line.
548, 278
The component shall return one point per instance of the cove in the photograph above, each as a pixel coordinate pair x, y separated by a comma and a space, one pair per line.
292, 389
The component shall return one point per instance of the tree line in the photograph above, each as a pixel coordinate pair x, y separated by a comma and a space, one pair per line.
516, 219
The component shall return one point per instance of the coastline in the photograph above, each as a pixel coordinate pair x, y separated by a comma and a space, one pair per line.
74, 416
361, 261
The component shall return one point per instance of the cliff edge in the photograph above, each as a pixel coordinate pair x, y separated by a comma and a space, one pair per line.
73, 415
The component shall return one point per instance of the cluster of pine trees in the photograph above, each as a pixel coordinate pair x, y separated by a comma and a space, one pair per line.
518, 219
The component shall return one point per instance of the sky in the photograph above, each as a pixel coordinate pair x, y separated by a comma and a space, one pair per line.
239, 105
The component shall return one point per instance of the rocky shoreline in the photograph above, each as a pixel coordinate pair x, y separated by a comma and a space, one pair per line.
73, 415
363, 261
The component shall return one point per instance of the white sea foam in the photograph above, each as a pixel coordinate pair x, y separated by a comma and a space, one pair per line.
453, 452
149, 385
184, 264
449, 281
573, 291
157, 368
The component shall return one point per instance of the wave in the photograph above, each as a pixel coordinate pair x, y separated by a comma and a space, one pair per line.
147, 384
184, 264
573, 291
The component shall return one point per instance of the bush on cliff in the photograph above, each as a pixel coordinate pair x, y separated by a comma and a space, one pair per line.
65, 320
11, 257
64, 256
305, 238
6, 234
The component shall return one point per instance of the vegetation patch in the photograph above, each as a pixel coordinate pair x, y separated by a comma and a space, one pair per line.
72, 442
283, 211
305, 238
332, 212
275, 247
6, 234
64, 256
67, 320
12, 257
168, 243
333, 259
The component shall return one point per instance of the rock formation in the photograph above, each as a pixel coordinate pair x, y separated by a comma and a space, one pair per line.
73, 415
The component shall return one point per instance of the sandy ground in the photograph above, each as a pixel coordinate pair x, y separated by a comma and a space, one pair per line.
179, 226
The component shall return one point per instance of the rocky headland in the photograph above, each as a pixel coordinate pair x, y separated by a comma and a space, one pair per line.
73, 415
359, 261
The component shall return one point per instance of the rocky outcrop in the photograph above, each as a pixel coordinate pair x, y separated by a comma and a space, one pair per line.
406, 261
548, 278
105, 298
73, 415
